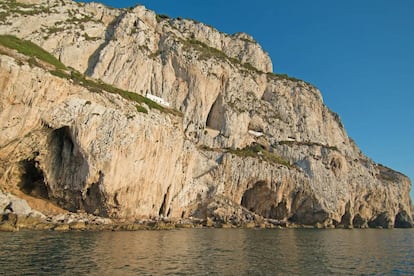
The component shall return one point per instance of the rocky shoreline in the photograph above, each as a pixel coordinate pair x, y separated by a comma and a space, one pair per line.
11, 222
18, 215
82, 222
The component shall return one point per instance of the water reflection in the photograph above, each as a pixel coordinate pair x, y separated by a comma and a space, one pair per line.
33, 253
209, 251
369, 251
192, 252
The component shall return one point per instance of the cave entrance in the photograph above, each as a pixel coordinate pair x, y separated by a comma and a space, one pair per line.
93, 201
62, 146
215, 118
403, 220
261, 200
68, 169
32, 179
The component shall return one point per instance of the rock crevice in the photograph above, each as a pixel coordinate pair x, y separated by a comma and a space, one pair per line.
245, 141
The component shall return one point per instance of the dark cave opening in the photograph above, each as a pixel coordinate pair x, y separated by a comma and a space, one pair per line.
346, 219
215, 118
261, 200
32, 179
93, 201
62, 145
162, 210
403, 220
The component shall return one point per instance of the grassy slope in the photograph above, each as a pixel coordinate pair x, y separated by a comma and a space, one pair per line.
34, 51
30, 49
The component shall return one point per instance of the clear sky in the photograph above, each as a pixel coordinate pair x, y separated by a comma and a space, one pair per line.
360, 54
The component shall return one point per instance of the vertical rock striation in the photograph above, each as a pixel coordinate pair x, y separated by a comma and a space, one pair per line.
247, 137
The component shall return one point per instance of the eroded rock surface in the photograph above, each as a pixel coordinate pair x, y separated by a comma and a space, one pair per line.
261, 143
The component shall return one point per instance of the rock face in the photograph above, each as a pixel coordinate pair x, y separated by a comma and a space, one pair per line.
12, 204
248, 137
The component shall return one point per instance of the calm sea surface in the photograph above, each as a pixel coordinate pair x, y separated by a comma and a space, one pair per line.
209, 251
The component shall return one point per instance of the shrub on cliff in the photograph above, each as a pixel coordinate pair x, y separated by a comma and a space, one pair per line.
30, 49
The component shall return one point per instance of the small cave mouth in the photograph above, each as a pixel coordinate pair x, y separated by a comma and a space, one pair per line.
93, 200
32, 179
260, 199
382, 220
215, 118
358, 221
68, 170
403, 220
62, 145
164, 210
346, 219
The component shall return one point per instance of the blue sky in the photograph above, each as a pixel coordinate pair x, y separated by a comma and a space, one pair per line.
360, 54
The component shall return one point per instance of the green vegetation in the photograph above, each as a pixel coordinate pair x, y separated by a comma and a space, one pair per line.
14, 7
133, 31
258, 151
60, 73
246, 40
90, 38
242, 37
156, 54
206, 52
3, 16
286, 77
254, 151
100, 86
161, 17
250, 67
307, 143
13, 4
144, 48
282, 76
72, 12
33, 62
33, 52
73, 19
54, 29
205, 148
30, 49
141, 109
79, 21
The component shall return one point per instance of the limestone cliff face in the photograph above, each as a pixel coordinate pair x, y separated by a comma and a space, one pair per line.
247, 137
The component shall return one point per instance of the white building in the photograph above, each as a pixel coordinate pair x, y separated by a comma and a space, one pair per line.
256, 133
158, 100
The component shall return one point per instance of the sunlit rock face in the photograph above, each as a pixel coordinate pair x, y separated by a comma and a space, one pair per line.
262, 142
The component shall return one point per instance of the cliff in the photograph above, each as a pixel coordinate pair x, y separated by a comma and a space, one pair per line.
236, 143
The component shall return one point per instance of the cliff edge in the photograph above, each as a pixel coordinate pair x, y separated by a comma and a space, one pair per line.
136, 115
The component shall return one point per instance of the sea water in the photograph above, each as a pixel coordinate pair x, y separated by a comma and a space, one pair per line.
209, 251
